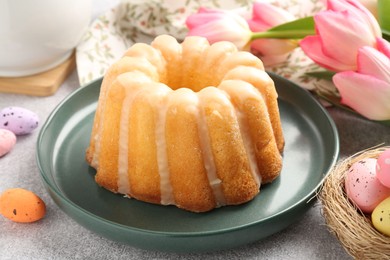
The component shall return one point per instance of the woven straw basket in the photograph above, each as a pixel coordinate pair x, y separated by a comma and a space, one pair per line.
354, 229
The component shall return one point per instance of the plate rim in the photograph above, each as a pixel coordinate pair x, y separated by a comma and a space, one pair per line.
180, 234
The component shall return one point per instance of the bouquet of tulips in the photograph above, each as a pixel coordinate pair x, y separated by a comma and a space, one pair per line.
345, 39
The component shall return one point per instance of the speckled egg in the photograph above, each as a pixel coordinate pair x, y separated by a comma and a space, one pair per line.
381, 217
21, 205
18, 120
7, 141
383, 168
362, 186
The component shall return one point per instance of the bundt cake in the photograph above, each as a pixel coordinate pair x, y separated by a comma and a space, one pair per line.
191, 124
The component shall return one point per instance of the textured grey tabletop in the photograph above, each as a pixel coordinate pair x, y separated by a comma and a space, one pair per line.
57, 236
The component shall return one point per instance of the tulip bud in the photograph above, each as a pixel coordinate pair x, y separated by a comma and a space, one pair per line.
367, 91
219, 25
341, 31
264, 17
371, 5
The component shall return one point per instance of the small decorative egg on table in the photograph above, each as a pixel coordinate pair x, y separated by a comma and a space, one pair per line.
18, 120
15, 121
7, 141
20, 205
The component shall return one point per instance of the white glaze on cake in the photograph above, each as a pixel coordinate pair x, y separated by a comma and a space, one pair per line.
217, 91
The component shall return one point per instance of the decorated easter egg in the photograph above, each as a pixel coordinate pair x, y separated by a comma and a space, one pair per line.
21, 205
7, 141
362, 186
18, 120
380, 217
383, 168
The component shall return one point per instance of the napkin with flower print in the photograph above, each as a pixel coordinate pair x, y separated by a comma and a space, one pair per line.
140, 21
333, 37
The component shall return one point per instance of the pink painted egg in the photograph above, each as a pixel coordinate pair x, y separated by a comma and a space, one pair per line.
383, 168
363, 187
7, 141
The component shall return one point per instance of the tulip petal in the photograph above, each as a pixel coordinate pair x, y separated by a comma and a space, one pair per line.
374, 63
342, 35
273, 46
256, 26
272, 51
365, 94
202, 17
266, 15
221, 30
219, 25
312, 46
356, 9
383, 46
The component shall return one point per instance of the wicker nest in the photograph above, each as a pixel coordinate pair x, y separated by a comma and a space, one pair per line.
352, 227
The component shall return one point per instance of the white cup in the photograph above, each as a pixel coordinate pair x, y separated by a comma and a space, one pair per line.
38, 35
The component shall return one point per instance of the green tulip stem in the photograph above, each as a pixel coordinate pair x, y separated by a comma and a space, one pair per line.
290, 34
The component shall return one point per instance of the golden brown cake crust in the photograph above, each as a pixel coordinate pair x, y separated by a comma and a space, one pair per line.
167, 131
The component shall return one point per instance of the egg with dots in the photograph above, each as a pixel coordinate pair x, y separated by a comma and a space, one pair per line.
362, 186
21, 205
383, 168
18, 120
381, 217
7, 141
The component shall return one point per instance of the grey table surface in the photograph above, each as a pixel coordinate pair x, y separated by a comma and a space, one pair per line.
57, 236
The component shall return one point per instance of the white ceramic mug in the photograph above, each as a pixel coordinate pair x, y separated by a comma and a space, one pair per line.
37, 35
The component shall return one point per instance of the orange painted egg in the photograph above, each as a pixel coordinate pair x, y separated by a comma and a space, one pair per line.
21, 205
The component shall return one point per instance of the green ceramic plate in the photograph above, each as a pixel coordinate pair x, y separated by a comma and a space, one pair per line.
312, 148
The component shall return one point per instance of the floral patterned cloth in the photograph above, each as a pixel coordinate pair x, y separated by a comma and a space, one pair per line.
140, 21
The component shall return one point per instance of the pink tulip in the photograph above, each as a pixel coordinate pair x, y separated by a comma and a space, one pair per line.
367, 90
341, 31
371, 5
264, 17
219, 25
356, 9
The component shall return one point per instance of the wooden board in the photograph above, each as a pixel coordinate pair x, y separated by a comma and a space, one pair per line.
42, 84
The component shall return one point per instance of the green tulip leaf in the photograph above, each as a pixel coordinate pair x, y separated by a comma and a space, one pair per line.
296, 29
306, 24
386, 34
385, 122
384, 21
383, 14
326, 74
384, 18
